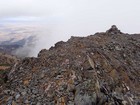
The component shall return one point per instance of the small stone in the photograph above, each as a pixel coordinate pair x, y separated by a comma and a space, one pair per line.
17, 96
9, 100
26, 102
70, 103
23, 93
124, 102
6, 91
98, 72
42, 75
117, 48
26, 82
39, 98
33, 96
38, 103
34, 91
14, 103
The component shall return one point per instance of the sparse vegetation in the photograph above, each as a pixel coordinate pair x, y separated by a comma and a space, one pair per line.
2, 76
2, 71
4, 64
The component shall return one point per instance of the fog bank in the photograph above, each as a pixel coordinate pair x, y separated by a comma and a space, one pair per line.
60, 19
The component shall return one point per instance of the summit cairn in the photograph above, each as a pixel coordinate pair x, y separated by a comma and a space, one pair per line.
100, 69
113, 30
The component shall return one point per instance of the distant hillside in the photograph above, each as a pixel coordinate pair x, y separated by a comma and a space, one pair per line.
10, 46
15, 37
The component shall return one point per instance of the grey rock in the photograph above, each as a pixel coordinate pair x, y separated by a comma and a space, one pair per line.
85, 99
9, 100
70, 103
33, 96
117, 48
26, 102
38, 103
23, 93
17, 96
7, 91
34, 91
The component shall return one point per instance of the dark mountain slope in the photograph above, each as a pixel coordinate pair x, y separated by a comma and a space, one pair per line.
101, 69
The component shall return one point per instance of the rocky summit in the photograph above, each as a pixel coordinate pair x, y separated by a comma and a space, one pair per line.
100, 69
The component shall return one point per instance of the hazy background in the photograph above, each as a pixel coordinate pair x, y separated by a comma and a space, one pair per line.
57, 20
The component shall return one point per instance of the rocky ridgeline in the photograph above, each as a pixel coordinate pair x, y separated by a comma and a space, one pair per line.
100, 69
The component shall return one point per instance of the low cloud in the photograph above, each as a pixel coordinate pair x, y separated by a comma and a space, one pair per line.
61, 19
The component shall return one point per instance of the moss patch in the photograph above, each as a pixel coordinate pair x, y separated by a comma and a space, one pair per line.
4, 64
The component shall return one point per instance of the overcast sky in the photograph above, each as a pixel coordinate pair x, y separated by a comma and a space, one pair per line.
85, 14
65, 18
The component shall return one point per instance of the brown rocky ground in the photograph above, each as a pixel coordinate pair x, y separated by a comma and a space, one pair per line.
100, 69
6, 63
